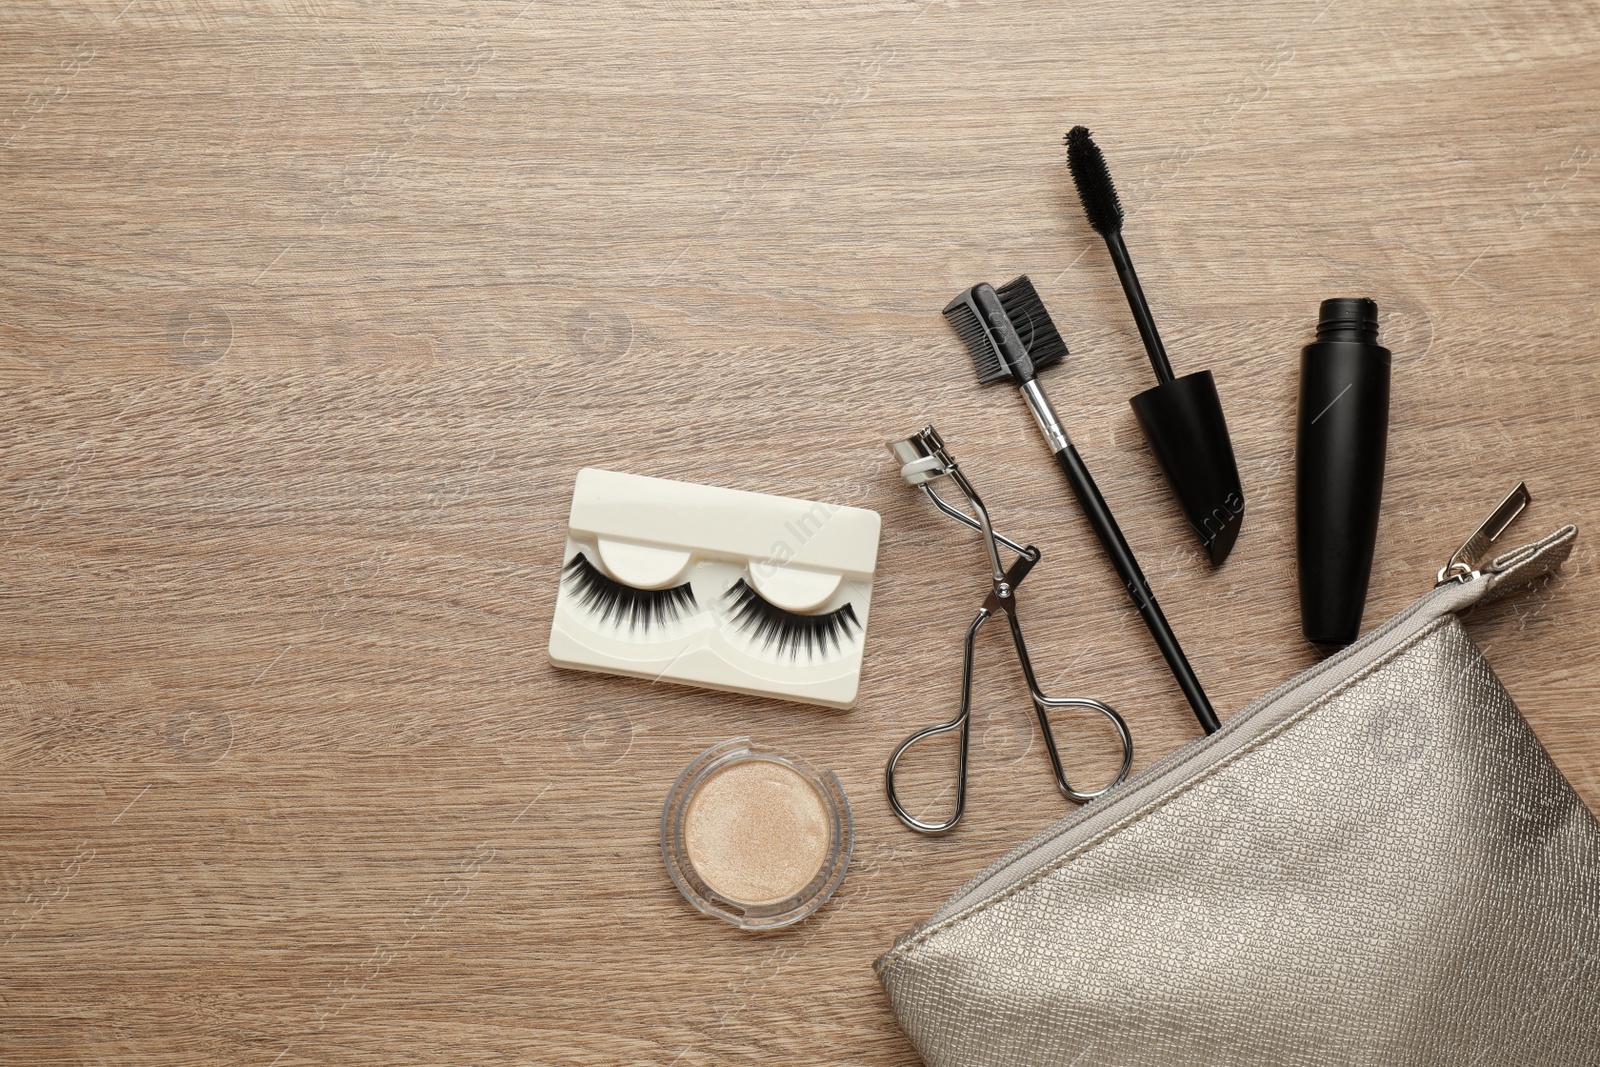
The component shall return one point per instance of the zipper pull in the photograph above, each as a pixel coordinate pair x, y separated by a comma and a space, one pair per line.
1463, 566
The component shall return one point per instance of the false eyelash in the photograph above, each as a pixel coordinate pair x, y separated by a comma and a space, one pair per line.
790, 630
618, 603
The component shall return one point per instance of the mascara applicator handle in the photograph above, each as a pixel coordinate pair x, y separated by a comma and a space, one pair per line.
1133, 580
1139, 306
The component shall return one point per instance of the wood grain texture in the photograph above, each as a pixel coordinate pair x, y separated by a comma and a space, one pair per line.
310, 311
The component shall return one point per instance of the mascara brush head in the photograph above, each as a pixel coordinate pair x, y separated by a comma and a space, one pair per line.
1093, 179
1007, 331
1181, 417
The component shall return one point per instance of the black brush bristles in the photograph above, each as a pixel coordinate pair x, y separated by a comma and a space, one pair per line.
1093, 179
980, 346
790, 631
1031, 343
617, 603
1032, 322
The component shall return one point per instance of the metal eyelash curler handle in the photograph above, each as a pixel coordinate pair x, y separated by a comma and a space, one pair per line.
924, 459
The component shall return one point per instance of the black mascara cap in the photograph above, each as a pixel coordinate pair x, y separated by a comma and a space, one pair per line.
1182, 419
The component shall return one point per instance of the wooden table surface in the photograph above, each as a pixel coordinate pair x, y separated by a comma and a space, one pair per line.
310, 311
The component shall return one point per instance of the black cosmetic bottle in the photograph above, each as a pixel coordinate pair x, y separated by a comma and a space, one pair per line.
1343, 435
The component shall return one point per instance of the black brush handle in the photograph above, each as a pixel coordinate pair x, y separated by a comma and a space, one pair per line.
1116, 546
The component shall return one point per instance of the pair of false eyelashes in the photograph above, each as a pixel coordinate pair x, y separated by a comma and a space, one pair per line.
617, 603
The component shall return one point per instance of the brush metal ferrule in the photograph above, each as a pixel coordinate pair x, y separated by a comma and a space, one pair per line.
1044, 415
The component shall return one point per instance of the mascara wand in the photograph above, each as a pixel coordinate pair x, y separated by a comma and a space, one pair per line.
1181, 417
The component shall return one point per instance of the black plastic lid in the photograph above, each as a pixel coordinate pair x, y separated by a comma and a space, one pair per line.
1182, 419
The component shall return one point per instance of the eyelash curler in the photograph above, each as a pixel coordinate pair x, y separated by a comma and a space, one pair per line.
924, 460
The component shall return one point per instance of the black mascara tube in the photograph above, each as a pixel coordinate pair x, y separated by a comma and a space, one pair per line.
1342, 439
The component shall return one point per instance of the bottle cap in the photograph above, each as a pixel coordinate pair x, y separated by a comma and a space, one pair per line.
1182, 419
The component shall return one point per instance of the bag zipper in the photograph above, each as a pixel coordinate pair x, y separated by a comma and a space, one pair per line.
1463, 564
1461, 582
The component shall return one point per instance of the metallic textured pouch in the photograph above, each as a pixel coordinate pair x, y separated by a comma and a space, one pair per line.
1377, 863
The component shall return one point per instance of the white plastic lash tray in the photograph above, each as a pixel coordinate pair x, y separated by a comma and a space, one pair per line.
714, 587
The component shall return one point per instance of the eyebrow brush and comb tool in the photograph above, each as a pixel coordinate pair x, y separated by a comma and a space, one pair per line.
1181, 417
1010, 336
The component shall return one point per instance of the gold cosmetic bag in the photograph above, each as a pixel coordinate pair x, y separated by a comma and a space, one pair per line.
1375, 864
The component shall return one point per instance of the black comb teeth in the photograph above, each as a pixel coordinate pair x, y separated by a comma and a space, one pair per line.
1093, 179
1040, 339
985, 356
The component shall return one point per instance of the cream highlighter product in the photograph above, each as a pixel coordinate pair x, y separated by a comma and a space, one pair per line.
755, 836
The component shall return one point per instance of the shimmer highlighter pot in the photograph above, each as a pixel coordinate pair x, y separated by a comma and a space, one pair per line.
755, 836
